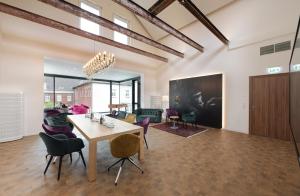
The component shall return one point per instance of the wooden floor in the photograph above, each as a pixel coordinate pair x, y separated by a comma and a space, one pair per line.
210, 163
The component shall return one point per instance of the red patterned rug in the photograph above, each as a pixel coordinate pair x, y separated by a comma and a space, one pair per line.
184, 131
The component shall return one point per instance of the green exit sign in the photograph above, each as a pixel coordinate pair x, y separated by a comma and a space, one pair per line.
296, 67
273, 70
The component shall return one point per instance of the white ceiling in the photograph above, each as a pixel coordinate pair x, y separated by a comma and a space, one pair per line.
29, 34
65, 67
177, 16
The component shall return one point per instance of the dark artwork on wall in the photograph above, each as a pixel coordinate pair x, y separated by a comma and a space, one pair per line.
201, 95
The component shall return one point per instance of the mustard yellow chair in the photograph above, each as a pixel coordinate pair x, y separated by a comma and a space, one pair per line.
130, 118
123, 147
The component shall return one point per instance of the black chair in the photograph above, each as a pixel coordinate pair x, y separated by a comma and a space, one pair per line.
60, 145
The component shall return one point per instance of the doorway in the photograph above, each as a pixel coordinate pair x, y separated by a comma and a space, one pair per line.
269, 106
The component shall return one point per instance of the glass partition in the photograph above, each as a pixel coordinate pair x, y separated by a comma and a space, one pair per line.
115, 93
48, 92
101, 97
64, 92
126, 94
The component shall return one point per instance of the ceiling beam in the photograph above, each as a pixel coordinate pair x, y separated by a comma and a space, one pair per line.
75, 10
159, 6
192, 8
70, 29
136, 9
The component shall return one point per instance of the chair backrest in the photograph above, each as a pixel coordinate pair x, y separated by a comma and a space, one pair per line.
125, 145
114, 112
145, 123
51, 112
130, 118
55, 147
171, 112
79, 109
87, 107
52, 130
121, 115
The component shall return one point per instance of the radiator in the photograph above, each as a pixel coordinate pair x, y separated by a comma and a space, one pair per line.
11, 116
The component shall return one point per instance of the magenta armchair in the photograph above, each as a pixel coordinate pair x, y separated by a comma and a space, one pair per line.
79, 109
171, 112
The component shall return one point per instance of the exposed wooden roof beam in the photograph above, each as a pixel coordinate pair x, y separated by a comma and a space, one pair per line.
159, 6
70, 29
135, 8
192, 8
75, 10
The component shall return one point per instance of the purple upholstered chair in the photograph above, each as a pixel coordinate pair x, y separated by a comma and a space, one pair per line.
171, 112
53, 130
145, 124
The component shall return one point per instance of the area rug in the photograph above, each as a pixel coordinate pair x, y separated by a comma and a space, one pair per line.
184, 131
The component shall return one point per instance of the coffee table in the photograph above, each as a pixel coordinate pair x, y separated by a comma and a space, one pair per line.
174, 119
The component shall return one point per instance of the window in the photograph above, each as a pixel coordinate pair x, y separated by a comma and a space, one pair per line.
69, 98
58, 98
119, 37
47, 98
87, 25
127, 93
114, 93
48, 92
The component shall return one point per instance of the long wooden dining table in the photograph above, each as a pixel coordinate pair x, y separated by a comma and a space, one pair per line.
95, 132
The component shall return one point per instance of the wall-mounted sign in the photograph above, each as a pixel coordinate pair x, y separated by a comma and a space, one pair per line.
296, 67
273, 70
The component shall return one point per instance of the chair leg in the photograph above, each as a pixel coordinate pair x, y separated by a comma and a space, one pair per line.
119, 172
71, 157
81, 155
114, 164
51, 157
59, 167
146, 142
54, 160
131, 161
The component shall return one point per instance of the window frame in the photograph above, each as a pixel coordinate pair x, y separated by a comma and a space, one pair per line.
123, 19
136, 103
95, 6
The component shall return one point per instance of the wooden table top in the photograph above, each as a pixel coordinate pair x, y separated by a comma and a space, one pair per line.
174, 117
95, 131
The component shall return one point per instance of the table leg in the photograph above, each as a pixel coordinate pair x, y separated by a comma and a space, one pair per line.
141, 151
92, 166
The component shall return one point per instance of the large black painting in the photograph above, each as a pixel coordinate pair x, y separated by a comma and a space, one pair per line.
202, 95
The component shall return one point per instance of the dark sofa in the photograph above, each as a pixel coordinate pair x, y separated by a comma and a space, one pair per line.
153, 114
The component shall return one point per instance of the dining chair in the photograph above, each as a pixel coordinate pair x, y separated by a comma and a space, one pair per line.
145, 124
60, 145
130, 118
123, 147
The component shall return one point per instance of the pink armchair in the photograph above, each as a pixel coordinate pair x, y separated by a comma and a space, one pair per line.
79, 109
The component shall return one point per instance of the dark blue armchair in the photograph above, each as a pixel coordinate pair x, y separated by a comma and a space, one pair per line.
60, 145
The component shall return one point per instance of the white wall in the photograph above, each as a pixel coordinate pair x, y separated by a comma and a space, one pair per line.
23, 72
248, 25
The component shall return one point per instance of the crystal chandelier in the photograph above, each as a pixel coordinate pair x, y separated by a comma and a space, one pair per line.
99, 62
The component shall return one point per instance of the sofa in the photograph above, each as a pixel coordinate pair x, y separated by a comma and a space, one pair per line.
153, 114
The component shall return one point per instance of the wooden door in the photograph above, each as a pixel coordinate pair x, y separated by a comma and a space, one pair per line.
269, 109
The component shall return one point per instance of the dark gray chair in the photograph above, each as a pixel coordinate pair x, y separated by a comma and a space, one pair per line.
121, 115
60, 145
